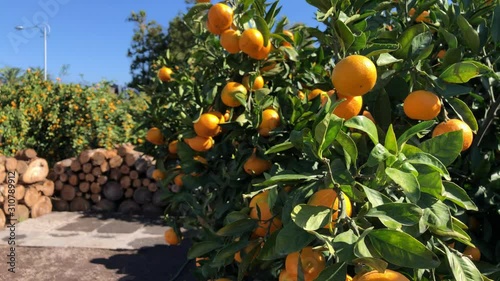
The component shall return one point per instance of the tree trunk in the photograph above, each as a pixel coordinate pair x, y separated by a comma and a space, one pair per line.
26, 154
75, 165
95, 188
129, 207
112, 191
79, 204
38, 169
31, 196
125, 182
102, 179
60, 205
84, 157
98, 157
124, 169
42, 207
11, 164
105, 205
115, 161
87, 168
68, 192
22, 213
22, 166
84, 186
142, 195
115, 174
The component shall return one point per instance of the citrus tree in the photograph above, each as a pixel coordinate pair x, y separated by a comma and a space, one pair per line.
321, 153
60, 120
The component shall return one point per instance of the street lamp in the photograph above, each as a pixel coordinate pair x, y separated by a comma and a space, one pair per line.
45, 29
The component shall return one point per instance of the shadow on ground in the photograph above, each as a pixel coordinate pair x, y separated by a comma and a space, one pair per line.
160, 262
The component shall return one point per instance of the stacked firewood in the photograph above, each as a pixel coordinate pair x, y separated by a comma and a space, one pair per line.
25, 190
117, 179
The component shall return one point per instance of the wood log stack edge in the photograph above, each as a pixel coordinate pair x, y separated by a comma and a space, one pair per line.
25, 190
119, 179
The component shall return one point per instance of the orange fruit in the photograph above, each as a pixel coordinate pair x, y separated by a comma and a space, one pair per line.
171, 237
289, 34
164, 74
208, 125
255, 165
200, 144
267, 221
349, 108
172, 147
258, 82
354, 75
212, 29
423, 17
455, 125
312, 262
155, 136
200, 259
328, 198
348, 278
229, 40
441, 54
368, 115
286, 276
301, 95
318, 92
473, 253
422, 105
220, 17
261, 53
158, 175
229, 92
270, 121
178, 180
251, 41
387, 275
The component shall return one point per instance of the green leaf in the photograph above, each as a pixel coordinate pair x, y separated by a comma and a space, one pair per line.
462, 72
471, 37
429, 161
463, 110
349, 147
343, 244
445, 147
421, 45
386, 59
262, 26
402, 249
406, 39
495, 25
431, 183
450, 90
457, 195
237, 228
379, 48
407, 181
311, 217
450, 38
290, 238
375, 197
326, 131
402, 213
378, 155
390, 141
344, 33
461, 267
226, 255
335, 272
279, 147
364, 124
201, 248
414, 130
285, 178
436, 214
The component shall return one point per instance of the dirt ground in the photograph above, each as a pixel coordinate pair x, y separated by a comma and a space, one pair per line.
157, 263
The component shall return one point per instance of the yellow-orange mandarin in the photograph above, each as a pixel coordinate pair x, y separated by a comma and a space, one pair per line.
387, 275
349, 108
200, 144
312, 262
208, 124
229, 40
220, 17
155, 136
354, 75
270, 121
229, 92
455, 125
171, 238
267, 222
422, 105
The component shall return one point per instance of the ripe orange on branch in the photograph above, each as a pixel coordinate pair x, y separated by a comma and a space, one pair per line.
251, 41
200, 144
422, 105
171, 237
255, 165
354, 75
267, 220
387, 275
155, 136
270, 121
229, 40
165, 74
208, 124
312, 262
329, 198
349, 108
258, 82
229, 92
455, 125
220, 17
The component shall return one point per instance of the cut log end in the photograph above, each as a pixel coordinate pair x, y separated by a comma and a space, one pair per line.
42, 207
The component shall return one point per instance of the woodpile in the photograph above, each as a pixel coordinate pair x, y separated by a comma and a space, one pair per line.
118, 179
25, 190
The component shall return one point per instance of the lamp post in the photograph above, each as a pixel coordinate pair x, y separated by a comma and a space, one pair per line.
45, 29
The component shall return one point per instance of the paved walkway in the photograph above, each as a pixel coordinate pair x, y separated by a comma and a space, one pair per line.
75, 246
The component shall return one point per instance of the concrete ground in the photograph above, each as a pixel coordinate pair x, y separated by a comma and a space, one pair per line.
73, 246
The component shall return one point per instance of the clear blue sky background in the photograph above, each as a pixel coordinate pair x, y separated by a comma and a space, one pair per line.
91, 36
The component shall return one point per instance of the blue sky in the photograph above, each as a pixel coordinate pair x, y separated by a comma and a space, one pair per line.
90, 36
